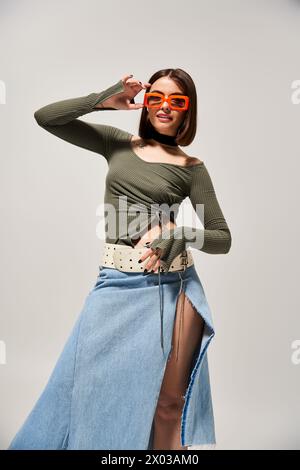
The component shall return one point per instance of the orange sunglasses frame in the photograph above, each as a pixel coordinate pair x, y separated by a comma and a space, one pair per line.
187, 100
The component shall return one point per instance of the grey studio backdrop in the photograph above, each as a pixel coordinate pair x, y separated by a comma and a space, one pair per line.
243, 57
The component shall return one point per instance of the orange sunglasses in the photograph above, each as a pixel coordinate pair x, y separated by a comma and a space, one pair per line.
177, 102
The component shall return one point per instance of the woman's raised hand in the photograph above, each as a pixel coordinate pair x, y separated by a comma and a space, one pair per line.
122, 100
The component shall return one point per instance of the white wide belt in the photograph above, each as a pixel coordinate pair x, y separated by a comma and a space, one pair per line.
125, 258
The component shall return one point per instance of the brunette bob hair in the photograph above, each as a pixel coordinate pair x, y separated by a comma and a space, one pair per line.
187, 130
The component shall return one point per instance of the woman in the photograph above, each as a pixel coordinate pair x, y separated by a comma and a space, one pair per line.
125, 378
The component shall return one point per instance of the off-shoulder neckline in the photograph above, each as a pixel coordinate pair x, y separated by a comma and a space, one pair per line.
159, 163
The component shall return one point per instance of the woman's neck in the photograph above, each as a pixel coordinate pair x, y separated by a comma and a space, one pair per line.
164, 139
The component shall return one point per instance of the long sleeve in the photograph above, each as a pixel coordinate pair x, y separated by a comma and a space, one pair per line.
215, 238
60, 119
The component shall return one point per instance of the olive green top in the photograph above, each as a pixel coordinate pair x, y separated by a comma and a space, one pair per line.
141, 192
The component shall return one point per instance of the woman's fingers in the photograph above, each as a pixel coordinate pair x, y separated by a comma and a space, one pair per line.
135, 105
149, 252
126, 77
136, 83
144, 85
129, 80
154, 260
156, 266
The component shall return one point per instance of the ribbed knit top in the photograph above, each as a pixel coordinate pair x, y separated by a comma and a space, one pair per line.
140, 192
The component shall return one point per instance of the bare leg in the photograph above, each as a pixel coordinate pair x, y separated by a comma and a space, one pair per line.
171, 399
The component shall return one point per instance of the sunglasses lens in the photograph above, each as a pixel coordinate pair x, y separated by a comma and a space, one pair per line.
178, 102
154, 100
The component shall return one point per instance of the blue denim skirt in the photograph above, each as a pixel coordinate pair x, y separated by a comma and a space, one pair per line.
104, 388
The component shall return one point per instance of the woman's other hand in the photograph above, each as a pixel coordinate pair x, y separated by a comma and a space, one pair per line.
154, 259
